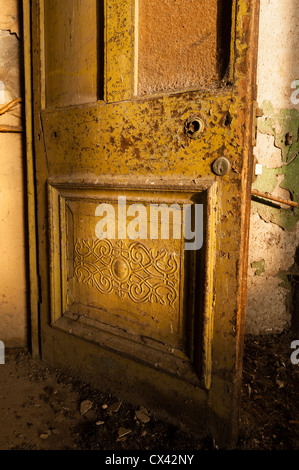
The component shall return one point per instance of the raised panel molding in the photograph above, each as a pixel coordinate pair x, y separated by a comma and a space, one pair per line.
149, 299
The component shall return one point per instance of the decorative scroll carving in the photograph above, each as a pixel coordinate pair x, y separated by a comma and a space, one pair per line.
128, 269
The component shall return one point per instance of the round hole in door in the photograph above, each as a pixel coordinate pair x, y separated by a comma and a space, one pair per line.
194, 126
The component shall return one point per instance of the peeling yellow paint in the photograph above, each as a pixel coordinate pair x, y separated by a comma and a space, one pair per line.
124, 141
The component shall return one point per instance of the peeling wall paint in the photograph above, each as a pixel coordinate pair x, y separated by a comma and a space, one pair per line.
10, 64
274, 232
9, 18
258, 266
283, 179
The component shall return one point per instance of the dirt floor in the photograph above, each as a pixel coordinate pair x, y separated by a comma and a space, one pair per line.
42, 409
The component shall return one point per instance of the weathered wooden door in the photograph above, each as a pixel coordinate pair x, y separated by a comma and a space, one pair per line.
143, 108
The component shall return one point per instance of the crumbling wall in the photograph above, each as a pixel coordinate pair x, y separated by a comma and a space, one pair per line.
274, 228
13, 311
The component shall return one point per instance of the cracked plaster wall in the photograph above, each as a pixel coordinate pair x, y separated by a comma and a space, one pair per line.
13, 308
274, 233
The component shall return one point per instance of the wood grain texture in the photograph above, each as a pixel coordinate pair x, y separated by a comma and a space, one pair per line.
71, 52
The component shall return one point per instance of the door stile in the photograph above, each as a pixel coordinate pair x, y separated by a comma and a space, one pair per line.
120, 49
245, 24
41, 171
31, 200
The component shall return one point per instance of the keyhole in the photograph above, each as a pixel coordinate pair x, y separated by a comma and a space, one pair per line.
194, 126
221, 166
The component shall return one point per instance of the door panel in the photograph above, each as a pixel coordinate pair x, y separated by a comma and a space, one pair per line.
142, 295
118, 119
178, 45
73, 53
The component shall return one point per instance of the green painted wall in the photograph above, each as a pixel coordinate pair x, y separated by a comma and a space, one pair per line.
279, 125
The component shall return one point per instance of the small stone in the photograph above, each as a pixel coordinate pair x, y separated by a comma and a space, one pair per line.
142, 415
144, 410
85, 406
144, 433
44, 436
104, 407
144, 418
114, 408
99, 423
123, 432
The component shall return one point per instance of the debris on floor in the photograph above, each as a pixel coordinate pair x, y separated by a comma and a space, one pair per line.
43, 409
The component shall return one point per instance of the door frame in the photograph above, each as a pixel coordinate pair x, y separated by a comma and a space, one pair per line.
33, 314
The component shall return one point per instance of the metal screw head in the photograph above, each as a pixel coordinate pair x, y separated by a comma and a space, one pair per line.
221, 166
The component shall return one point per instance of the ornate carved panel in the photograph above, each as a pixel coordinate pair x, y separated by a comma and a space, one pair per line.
147, 292
128, 270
